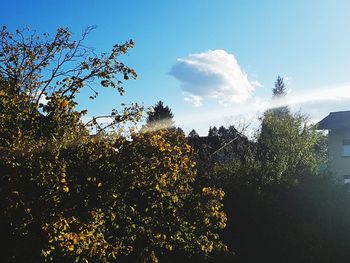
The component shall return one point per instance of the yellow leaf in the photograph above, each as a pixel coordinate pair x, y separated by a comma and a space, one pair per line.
70, 247
64, 103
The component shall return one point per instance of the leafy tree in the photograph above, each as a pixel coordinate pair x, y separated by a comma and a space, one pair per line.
40, 77
69, 196
287, 144
276, 195
141, 203
278, 202
161, 115
287, 148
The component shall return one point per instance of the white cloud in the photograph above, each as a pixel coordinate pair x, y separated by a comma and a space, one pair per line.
257, 84
195, 100
213, 74
43, 99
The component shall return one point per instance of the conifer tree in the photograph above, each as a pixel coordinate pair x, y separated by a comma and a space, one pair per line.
280, 87
161, 115
278, 95
193, 134
213, 131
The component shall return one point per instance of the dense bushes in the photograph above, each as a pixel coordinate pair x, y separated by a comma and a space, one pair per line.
281, 206
66, 195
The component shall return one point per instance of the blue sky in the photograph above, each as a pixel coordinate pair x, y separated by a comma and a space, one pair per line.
224, 54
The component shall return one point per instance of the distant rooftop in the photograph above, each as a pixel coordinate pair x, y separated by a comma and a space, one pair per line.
335, 120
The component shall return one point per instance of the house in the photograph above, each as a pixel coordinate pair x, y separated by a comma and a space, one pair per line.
338, 124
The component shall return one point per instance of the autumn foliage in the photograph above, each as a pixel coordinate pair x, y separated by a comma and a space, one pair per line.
69, 196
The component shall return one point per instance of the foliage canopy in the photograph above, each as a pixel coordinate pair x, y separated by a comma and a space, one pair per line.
68, 195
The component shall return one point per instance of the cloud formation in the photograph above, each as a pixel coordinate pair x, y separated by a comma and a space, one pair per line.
195, 100
213, 74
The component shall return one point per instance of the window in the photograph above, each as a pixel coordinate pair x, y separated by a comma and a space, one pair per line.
346, 147
346, 179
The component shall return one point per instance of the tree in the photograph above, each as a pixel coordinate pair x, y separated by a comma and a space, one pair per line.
193, 134
286, 143
142, 203
279, 89
69, 196
39, 79
278, 95
160, 115
287, 148
222, 131
213, 132
276, 194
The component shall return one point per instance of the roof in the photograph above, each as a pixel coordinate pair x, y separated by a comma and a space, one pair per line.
335, 120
